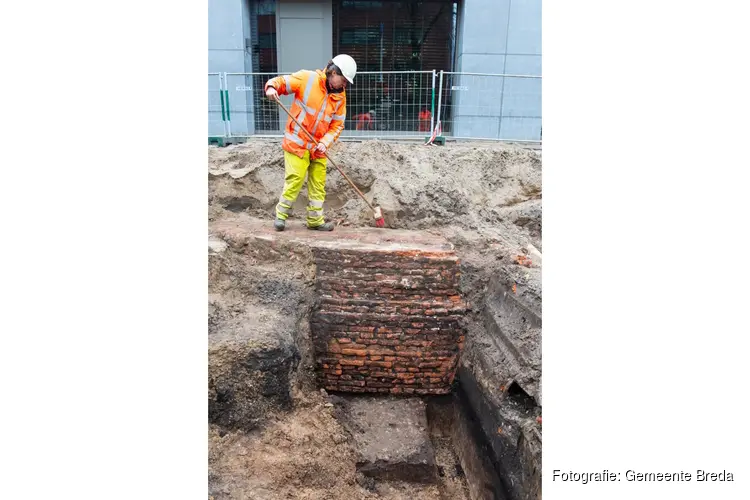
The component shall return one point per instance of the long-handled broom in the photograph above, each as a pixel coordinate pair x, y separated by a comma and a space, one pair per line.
377, 212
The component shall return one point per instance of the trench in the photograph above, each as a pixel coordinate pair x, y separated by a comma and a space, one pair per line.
272, 432
456, 433
471, 461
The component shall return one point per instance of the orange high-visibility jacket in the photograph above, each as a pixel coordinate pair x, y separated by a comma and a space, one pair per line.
321, 113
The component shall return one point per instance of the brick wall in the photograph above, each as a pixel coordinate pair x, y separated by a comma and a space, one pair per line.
387, 321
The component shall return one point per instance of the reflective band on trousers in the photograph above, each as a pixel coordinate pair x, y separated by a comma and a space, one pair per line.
316, 203
314, 213
285, 205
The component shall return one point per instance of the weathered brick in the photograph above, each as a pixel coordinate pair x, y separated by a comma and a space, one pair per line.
380, 351
357, 383
433, 364
390, 342
352, 362
378, 384
410, 354
439, 352
354, 352
381, 364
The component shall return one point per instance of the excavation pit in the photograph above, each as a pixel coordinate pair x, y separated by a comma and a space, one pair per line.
273, 433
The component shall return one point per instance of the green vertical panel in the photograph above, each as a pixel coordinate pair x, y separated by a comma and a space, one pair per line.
226, 98
432, 107
223, 113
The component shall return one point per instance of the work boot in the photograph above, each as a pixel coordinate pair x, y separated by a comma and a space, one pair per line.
328, 226
279, 224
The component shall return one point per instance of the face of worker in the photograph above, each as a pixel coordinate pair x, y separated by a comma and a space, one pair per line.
337, 82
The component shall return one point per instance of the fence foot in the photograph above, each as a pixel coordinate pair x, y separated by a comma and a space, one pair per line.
225, 141
439, 140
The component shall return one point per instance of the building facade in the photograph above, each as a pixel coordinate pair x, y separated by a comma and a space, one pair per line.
397, 44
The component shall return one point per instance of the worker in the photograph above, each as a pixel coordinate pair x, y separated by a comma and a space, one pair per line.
425, 117
365, 120
320, 106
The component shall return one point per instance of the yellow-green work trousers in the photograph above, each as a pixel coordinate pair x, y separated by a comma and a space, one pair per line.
296, 168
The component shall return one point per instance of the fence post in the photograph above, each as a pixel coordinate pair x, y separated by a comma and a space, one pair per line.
432, 107
223, 105
440, 97
226, 98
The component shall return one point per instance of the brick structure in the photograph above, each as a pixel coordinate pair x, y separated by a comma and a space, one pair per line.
387, 321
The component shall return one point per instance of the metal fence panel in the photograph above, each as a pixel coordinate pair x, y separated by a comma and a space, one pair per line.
390, 104
394, 104
216, 112
490, 106
250, 112
379, 104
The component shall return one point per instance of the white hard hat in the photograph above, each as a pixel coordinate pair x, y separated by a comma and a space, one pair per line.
347, 66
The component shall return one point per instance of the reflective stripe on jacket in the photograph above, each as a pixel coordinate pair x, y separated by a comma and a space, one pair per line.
321, 113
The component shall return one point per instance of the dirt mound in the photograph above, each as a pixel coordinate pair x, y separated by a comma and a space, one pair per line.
418, 187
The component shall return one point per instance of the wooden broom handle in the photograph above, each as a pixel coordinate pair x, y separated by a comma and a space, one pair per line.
326, 154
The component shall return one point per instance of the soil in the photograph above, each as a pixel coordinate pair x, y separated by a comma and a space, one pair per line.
304, 454
264, 443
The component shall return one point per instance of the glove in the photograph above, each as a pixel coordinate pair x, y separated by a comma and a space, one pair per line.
321, 147
272, 94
